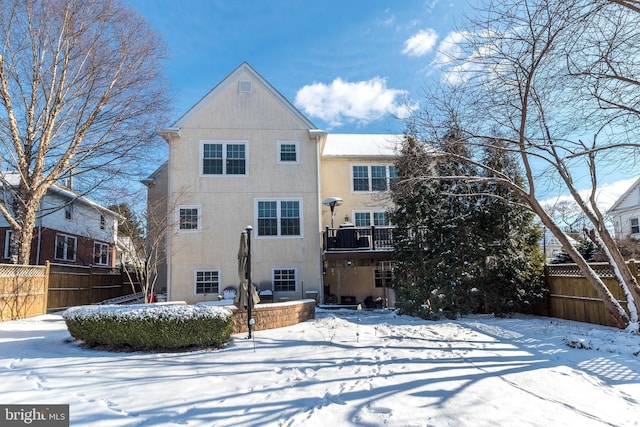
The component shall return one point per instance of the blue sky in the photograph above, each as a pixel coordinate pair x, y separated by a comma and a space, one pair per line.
350, 66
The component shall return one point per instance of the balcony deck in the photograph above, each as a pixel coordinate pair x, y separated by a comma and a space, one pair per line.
352, 242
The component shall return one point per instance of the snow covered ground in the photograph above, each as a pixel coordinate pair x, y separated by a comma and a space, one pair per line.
345, 368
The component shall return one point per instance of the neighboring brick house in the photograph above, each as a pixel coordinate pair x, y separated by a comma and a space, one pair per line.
625, 213
245, 156
70, 229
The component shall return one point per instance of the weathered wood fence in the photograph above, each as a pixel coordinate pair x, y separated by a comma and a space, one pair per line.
572, 297
27, 291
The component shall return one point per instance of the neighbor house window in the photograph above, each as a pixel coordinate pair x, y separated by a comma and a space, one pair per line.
279, 217
103, 222
287, 152
189, 218
207, 281
65, 247
284, 279
7, 244
635, 225
373, 177
68, 211
101, 253
224, 158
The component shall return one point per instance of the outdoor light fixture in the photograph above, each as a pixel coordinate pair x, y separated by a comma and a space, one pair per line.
332, 202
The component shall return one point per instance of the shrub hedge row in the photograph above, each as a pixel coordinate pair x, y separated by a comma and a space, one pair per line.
150, 327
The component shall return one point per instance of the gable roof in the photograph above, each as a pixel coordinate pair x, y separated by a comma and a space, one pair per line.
13, 179
621, 199
232, 77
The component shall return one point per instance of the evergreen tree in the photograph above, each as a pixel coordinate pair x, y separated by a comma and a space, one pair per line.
461, 244
511, 275
434, 238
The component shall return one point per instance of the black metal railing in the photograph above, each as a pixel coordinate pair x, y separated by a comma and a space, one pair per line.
358, 238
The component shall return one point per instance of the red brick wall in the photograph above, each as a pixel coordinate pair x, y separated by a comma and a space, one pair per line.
278, 315
84, 250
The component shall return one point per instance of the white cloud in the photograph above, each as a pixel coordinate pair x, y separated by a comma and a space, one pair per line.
343, 101
421, 43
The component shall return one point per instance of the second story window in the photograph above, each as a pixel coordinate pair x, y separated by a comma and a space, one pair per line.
288, 152
68, 211
373, 177
279, 218
635, 225
224, 158
103, 222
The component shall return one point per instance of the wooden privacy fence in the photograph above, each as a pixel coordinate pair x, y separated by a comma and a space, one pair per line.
27, 291
572, 297
23, 290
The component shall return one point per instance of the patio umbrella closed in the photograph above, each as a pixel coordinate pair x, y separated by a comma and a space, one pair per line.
243, 299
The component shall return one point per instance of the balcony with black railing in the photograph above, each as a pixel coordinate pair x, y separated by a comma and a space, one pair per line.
349, 239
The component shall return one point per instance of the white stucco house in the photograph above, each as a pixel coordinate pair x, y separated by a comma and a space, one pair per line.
245, 156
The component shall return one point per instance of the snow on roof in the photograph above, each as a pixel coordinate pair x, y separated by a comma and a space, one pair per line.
358, 145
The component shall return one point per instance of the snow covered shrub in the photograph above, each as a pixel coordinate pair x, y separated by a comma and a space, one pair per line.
147, 327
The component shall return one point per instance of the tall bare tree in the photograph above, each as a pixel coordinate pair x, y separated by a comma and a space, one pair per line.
81, 92
557, 83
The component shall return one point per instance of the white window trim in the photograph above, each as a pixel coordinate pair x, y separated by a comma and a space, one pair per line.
68, 211
75, 247
370, 177
631, 224
108, 252
273, 279
198, 229
195, 280
371, 214
297, 145
224, 154
278, 200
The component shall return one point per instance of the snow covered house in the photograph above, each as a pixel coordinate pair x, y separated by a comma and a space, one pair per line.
245, 156
70, 229
625, 213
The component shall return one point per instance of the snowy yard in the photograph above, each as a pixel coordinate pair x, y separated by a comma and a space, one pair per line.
360, 368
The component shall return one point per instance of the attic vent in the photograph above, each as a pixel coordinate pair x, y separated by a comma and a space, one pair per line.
245, 86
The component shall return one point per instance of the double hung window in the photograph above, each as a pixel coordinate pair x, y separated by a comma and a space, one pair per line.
224, 158
279, 217
369, 178
207, 281
284, 279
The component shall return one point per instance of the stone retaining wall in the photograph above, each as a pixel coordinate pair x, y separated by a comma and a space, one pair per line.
276, 315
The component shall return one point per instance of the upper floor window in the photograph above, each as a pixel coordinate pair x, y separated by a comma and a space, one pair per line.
288, 152
103, 222
373, 177
189, 218
101, 253
224, 158
66, 247
635, 225
68, 211
284, 279
207, 281
279, 217
367, 219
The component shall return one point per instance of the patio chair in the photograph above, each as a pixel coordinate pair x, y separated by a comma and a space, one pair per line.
229, 292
